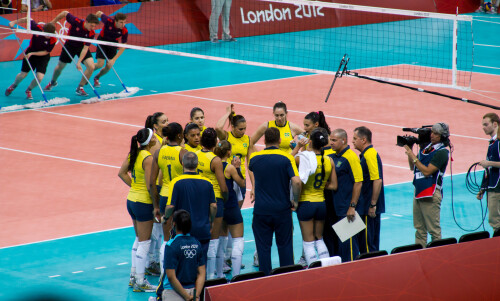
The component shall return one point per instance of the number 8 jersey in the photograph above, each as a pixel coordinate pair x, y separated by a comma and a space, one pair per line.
312, 191
170, 165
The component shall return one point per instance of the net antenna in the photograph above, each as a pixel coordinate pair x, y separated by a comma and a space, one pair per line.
339, 73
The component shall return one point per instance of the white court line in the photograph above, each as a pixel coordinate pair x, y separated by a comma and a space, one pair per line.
249, 240
99, 268
88, 118
397, 215
54, 276
77, 272
122, 263
384, 218
57, 157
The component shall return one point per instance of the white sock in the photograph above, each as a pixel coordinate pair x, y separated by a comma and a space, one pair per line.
321, 249
134, 251
238, 246
309, 251
141, 257
211, 254
229, 248
159, 240
162, 255
220, 256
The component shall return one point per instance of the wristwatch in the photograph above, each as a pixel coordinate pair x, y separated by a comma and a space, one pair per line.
415, 161
353, 205
373, 206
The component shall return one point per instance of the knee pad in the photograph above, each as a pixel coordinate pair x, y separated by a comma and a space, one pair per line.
143, 248
212, 248
238, 246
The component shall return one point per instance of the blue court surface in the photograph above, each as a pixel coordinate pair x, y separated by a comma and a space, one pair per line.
96, 266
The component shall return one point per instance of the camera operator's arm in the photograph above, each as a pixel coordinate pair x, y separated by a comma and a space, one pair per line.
426, 170
408, 150
486, 164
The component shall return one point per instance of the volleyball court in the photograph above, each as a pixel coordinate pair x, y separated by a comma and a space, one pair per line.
61, 163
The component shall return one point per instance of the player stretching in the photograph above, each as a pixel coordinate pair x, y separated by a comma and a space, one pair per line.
37, 54
112, 31
81, 29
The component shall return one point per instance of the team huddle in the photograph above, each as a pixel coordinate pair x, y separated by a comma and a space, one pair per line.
190, 183
37, 55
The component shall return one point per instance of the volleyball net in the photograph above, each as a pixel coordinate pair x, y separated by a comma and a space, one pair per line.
410, 47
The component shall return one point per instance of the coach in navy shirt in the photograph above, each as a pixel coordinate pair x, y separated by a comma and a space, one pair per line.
272, 170
184, 269
195, 194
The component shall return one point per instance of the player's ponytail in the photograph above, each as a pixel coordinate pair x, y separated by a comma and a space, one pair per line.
318, 117
209, 138
222, 148
151, 120
319, 139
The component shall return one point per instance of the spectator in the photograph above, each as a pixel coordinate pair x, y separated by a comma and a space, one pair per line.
493, 8
5, 7
36, 5
218, 7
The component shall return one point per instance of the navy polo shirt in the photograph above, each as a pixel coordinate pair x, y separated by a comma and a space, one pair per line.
194, 194
272, 169
372, 170
184, 254
348, 169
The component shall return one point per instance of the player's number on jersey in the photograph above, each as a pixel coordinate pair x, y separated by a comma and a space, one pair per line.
318, 181
169, 167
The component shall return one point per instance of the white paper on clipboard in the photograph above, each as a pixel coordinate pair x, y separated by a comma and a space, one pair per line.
346, 229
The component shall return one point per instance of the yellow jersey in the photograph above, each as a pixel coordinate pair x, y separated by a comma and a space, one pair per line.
159, 138
327, 150
312, 191
204, 162
239, 147
192, 149
202, 130
170, 165
138, 190
285, 135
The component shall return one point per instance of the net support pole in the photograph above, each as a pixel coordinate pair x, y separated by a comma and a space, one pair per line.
454, 55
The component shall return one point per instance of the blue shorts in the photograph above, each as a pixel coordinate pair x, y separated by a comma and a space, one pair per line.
139, 211
163, 204
232, 216
220, 207
315, 210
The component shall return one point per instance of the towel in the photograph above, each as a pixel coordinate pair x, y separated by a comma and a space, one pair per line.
307, 166
330, 261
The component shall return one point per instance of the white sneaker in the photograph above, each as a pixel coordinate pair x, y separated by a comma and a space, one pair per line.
302, 261
145, 286
255, 260
131, 281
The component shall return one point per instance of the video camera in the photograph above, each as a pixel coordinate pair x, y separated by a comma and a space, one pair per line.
423, 139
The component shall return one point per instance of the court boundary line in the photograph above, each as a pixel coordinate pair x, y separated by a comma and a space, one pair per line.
125, 227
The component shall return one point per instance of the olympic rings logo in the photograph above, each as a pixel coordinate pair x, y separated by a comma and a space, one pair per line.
190, 253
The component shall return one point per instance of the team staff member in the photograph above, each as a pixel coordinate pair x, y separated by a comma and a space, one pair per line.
492, 163
192, 137
198, 116
139, 204
350, 178
272, 170
113, 30
185, 265
372, 201
210, 166
195, 194
80, 29
168, 159
37, 54
311, 211
287, 129
429, 168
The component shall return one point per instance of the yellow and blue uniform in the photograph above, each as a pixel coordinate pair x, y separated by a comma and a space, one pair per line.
194, 194
192, 149
285, 135
239, 147
202, 129
159, 138
171, 167
232, 212
273, 170
348, 169
369, 239
139, 203
184, 254
205, 159
312, 198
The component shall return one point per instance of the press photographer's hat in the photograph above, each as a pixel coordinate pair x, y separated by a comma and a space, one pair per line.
442, 129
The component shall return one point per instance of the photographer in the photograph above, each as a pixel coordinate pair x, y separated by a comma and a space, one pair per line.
429, 168
36, 5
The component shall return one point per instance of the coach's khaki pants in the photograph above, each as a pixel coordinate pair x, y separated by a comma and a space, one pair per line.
427, 217
494, 209
219, 6
171, 295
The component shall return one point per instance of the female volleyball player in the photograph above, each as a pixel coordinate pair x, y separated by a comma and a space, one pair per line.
287, 129
311, 211
157, 122
168, 159
139, 204
210, 166
232, 218
192, 137
311, 121
198, 116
